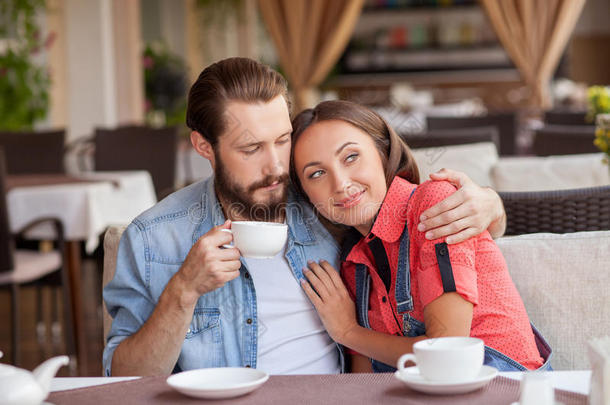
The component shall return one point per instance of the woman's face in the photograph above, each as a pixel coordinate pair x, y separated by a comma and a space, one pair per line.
341, 172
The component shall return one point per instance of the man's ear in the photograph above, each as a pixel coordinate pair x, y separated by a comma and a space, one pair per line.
203, 147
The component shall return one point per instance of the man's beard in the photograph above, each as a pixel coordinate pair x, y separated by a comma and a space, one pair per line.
240, 201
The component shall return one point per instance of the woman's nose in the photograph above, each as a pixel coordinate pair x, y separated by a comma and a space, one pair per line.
341, 182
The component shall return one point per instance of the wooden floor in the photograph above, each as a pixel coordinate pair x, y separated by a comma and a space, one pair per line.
32, 353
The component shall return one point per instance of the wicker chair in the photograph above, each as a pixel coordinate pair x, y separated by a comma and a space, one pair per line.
565, 117
139, 148
564, 140
506, 123
561, 211
20, 267
33, 152
448, 137
132, 147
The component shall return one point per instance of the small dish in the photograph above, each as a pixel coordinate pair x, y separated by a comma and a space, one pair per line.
413, 379
218, 383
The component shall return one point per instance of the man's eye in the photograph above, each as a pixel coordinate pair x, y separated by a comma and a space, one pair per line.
351, 157
315, 174
283, 141
250, 151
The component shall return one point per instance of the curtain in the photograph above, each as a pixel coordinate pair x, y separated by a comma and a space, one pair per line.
534, 34
309, 36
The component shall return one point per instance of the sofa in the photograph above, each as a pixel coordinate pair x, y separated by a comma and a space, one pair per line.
563, 280
480, 161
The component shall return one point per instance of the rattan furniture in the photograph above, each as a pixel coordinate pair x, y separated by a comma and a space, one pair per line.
506, 124
132, 147
562, 211
33, 152
564, 140
565, 117
460, 136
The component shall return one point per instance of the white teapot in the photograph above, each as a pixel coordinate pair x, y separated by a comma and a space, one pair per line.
21, 387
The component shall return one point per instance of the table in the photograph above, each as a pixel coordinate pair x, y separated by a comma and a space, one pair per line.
86, 209
574, 381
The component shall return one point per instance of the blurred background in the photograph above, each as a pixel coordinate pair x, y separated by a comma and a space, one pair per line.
93, 100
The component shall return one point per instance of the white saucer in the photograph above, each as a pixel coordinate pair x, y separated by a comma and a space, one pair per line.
218, 383
412, 379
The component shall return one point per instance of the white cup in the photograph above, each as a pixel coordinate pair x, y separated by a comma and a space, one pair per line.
258, 240
447, 359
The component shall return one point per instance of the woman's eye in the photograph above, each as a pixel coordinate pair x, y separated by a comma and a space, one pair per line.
315, 174
351, 157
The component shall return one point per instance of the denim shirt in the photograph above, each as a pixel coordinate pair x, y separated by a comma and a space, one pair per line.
224, 328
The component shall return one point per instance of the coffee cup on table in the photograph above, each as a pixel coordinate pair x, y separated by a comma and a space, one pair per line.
258, 240
446, 359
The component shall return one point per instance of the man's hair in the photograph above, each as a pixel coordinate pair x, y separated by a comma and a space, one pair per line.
232, 79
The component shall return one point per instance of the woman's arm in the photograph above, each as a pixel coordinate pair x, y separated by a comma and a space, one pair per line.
447, 315
361, 364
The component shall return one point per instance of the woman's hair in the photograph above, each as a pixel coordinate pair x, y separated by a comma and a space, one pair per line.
396, 156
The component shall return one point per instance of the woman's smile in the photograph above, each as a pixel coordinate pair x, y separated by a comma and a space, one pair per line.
350, 201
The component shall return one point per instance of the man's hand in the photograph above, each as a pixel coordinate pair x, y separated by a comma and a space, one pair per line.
208, 265
331, 299
464, 214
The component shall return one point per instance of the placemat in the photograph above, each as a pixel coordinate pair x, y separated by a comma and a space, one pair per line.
307, 389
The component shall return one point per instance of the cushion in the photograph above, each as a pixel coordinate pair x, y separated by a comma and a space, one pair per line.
111, 247
550, 173
475, 159
563, 280
31, 265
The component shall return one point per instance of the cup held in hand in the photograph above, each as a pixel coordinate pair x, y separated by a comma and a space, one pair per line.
258, 240
228, 245
447, 359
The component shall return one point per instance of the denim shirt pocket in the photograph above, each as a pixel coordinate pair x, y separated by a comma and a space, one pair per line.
205, 324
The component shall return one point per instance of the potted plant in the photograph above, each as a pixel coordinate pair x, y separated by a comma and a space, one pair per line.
165, 84
602, 136
24, 83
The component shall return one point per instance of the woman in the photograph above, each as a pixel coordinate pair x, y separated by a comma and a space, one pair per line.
357, 172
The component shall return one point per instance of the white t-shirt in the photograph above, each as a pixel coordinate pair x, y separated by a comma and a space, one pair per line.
291, 337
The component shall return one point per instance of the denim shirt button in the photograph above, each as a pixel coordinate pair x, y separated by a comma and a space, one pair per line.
248, 366
188, 331
249, 321
247, 275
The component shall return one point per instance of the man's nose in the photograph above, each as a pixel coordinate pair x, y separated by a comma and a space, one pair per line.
273, 165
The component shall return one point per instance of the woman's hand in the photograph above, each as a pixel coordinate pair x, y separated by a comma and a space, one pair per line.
331, 299
466, 213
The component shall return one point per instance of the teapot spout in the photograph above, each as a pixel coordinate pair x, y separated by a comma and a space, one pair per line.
45, 372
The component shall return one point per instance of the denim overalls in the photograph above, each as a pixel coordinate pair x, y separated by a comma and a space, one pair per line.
412, 327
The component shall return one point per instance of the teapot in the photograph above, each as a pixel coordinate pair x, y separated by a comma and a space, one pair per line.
19, 386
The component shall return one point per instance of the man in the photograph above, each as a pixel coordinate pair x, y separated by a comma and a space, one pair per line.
180, 300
